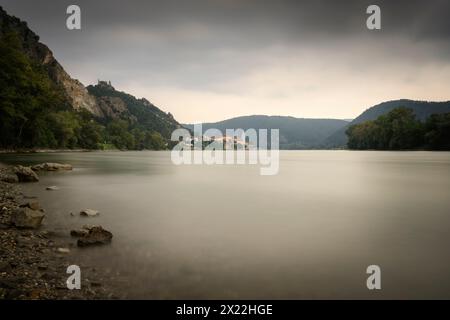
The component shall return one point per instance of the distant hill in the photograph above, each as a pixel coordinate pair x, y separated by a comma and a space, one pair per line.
422, 110
295, 133
400, 129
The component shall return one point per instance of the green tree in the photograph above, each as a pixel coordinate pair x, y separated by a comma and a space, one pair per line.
91, 135
155, 141
139, 139
437, 135
406, 131
397, 130
26, 96
66, 126
118, 134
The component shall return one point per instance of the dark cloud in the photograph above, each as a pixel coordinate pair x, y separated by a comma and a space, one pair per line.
207, 45
289, 17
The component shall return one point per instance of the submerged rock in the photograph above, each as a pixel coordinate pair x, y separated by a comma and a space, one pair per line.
94, 235
25, 217
49, 166
89, 213
25, 174
79, 232
52, 188
33, 205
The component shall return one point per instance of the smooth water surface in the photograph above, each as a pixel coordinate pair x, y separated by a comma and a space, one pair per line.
227, 232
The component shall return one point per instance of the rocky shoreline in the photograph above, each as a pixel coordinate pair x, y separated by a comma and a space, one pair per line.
34, 259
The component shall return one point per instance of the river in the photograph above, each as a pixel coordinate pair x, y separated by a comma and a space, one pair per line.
225, 231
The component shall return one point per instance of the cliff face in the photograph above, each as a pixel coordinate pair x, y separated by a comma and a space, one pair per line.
112, 107
75, 91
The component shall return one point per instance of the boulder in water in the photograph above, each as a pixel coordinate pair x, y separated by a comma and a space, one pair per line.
25, 174
94, 235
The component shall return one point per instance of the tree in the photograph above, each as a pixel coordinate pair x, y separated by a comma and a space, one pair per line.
26, 96
91, 135
139, 139
66, 126
155, 141
397, 130
437, 135
117, 131
406, 130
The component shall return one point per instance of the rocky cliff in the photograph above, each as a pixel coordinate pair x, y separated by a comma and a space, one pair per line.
24, 57
75, 92
116, 104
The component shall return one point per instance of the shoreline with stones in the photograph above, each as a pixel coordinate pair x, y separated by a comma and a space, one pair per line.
34, 259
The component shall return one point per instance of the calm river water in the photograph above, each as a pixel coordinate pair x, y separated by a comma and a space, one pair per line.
227, 232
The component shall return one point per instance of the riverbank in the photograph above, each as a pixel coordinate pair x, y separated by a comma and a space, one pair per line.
42, 150
34, 261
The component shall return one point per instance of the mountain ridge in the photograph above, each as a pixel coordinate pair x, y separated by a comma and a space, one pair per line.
327, 140
41, 105
37, 95
295, 133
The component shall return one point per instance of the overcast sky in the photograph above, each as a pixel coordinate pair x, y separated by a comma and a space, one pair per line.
208, 60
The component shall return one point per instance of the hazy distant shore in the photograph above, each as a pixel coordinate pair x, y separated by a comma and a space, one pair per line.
43, 150
24, 151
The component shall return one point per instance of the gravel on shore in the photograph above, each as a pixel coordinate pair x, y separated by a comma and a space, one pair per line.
32, 264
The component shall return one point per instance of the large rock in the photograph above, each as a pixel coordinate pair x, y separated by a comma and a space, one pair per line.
50, 166
25, 174
25, 217
92, 235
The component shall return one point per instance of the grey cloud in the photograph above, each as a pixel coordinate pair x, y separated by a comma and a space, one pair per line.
204, 44
286, 17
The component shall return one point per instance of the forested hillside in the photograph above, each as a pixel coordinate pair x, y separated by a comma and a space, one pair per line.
295, 133
41, 106
422, 110
401, 129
